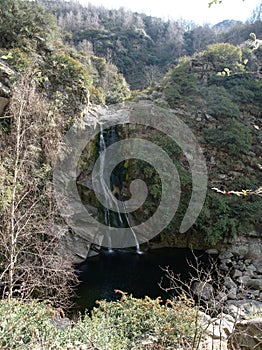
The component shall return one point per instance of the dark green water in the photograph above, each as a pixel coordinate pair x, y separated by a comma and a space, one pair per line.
130, 272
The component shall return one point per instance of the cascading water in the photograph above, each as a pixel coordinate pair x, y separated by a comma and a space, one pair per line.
109, 217
138, 250
102, 147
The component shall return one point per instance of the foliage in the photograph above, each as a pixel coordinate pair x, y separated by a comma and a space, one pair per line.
139, 44
182, 84
223, 55
130, 320
17, 58
233, 136
216, 219
120, 325
223, 216
25, 24
25, 325
66, 81
220, 103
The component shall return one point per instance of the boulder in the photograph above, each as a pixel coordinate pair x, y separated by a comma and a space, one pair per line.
3, 104
255, 283
246, 335
203, 290
242, 308
237, 273
258, 265
229, 283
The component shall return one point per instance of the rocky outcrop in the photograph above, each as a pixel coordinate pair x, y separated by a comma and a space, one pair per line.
247, 335
6, 74
226, 332
241, 257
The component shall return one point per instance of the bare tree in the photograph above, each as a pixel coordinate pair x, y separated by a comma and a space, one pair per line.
31, 260
204, 288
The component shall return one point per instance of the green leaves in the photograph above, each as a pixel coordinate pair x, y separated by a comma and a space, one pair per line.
117, 325
25, 24
233, 136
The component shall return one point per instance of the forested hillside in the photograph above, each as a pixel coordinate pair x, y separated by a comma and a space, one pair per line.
141, 46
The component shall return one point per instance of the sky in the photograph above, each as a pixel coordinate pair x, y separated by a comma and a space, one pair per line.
190, 10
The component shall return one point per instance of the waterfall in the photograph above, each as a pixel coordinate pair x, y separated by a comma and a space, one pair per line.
102, 147
138, 250
109, 197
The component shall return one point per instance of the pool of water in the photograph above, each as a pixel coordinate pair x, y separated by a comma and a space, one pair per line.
137, 274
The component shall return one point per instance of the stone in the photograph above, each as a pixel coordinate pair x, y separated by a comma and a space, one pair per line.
3, 104
212, 251
247, 334
5, 91
255, 247
237, 273
229, 283
243, 308
144, 97
243, 280
203, 290
5, 71
223, 267
235, 311
221, 297
258, 265
225, 255
255, 283
251, 154
232, 293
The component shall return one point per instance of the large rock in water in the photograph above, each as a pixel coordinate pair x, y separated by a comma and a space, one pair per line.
247, 335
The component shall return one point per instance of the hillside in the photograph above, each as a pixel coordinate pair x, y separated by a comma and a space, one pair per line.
76, 80
142, 47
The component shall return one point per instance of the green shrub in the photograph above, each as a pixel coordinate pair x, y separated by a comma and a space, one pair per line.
123, 324
181, 83
224, 55
26, 24
220, 103
16, 58
66, 76
25, 325
233, 136
117, 325
216, 219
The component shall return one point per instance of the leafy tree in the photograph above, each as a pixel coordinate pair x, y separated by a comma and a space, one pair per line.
25, 24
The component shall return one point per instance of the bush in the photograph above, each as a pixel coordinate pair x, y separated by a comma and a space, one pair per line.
123, 324
233, 136
216, 220
182, 84
220, 103
120, 325
25, 325
17, 59
66, 76
224, 55
25, 24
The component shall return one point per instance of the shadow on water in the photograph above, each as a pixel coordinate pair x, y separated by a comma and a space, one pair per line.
137, 274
